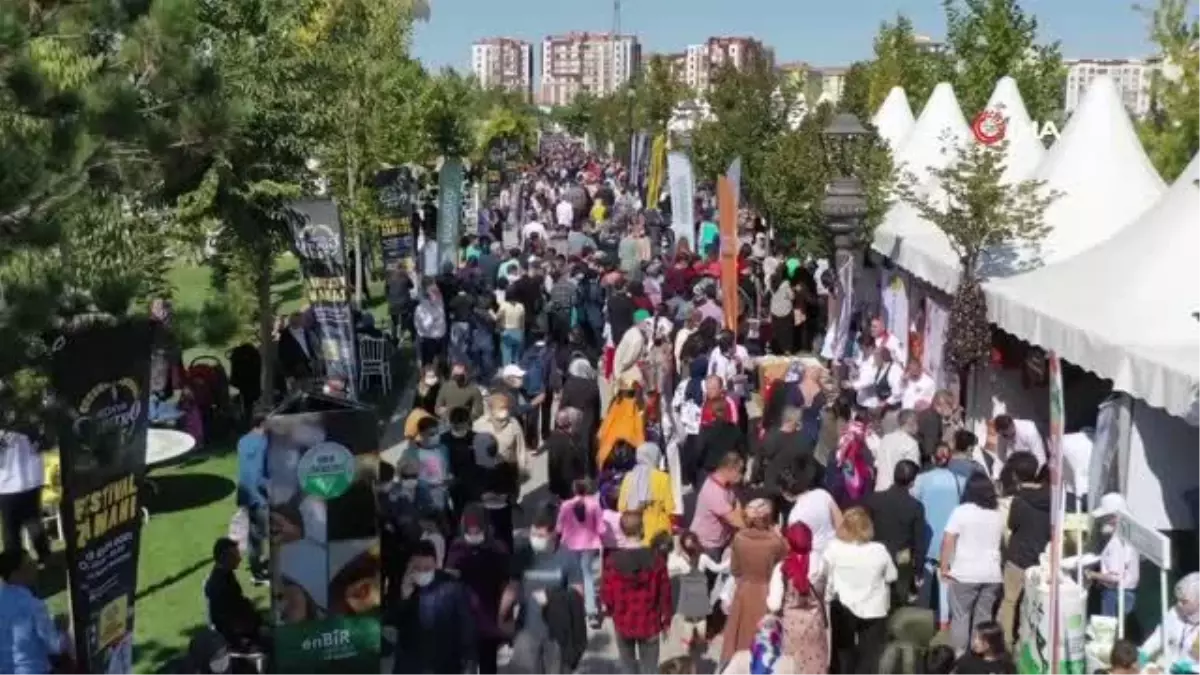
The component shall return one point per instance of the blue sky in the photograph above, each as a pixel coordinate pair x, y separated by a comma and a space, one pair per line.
824, 33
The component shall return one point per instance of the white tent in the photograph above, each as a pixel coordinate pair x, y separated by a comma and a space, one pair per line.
1104, 178
1024, 151
907, 239
1123, 309
894, 120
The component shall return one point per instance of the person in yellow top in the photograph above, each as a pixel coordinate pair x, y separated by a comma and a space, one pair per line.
599, 212
648, 489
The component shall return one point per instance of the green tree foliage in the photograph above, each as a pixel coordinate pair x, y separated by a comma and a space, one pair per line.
1170, 131
753, 107
979, 211
657, 93
795, 172
993, 38
900, 61
577, 117
856, 91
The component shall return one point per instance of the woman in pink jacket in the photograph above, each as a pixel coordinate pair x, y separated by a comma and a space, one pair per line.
580, 528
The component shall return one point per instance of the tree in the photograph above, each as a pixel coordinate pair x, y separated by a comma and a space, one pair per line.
795, 172
656, 95
1170, 130
577, 117
993, 38
900, 61
856, 91
979, 212
752, 107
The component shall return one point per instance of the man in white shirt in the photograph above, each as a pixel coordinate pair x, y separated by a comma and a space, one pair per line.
1018, 436
879, 375
564, 213
430, 323
918, 387
895, 447
22, 476
1077, 457
729, 361
883, 338
531, 228
1120, 564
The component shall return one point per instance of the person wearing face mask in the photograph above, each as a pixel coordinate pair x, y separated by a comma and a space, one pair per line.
428, 386
430, 321
482, 564
458, 392
542, 571
433, 464
1120, 563
1176, 641
433, 603
458, 441
499, 424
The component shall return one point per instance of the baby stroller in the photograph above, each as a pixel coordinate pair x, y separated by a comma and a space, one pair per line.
209, 383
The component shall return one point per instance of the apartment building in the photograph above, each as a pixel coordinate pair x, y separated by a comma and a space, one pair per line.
504, 63
1132, 77
702, 61
578, 62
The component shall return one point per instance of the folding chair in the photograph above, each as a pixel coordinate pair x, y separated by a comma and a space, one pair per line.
373, 361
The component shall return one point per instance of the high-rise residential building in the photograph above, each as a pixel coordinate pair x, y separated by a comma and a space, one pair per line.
578, 62
704, 60
503, 63
1132, 77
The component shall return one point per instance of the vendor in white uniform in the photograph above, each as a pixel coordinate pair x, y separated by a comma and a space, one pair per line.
1120, 564
1177, 640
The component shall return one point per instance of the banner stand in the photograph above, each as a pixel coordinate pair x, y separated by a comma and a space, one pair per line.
326, 558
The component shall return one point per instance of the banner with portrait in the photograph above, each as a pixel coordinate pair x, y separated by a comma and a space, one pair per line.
326, 570
450, 200
319, 244
683, 198
101, 377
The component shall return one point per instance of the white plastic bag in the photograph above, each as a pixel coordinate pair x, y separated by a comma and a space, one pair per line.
239, 529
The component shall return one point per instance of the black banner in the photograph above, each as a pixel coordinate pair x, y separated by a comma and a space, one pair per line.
502, 165
394, 189
101, 376
320, 245
326, 564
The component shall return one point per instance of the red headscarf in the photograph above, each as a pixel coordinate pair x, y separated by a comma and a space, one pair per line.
795, 566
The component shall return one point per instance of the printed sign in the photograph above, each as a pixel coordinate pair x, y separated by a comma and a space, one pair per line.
450, 199
394, 190
326, 584
683, 198
102, 376
991, 126
318, 243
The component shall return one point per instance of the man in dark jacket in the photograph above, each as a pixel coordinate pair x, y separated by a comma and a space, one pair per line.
900, 526
636, 591
433, 603
930, 425
230, 612
1029, 522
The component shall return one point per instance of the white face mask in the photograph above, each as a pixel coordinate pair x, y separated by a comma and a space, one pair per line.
431, 380
423, 579
500, 415
473, 538
219, 663
409, 483
539, 543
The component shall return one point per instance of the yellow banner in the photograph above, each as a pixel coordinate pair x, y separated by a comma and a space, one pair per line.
658, 166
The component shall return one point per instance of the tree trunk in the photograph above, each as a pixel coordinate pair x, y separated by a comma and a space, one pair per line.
264, 271
351, 188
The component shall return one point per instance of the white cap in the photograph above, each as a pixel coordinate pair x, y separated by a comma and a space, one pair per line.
512, 370
1110, 504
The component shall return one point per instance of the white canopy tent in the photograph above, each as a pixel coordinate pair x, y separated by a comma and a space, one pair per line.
1025, 150
1123, 309
903, 236
894, 120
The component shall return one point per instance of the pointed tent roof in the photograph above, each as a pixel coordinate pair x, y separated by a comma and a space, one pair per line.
911, 242
1025, 150
1124, 308
894, 119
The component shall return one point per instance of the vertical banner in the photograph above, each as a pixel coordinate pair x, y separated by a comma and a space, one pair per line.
394, 191
493, 171
319, 244
658, 164
1057, 504
326, 566
450, 199
734, 173
683, 198
101, 374
727, 205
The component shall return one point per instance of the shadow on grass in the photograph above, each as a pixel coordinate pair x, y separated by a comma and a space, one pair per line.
153, 656
184, 491
173, 579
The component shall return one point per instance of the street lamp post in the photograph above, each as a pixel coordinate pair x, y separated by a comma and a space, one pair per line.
844, 206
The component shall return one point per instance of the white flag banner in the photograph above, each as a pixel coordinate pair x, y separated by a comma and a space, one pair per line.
683, 190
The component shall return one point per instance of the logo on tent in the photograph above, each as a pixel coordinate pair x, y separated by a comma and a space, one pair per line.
989, 127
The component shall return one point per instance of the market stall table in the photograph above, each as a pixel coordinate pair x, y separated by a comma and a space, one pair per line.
163, 446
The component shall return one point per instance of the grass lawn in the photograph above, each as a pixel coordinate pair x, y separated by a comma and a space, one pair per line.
194, 502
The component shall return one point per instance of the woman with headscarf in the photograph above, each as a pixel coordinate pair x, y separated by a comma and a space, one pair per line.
796, 593
767, 654
625, 421
482, 564
647, 489
754, 552
581, 392
1177, 639
567, 458
848, 475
